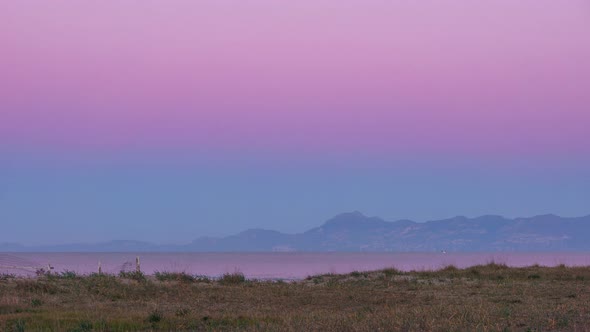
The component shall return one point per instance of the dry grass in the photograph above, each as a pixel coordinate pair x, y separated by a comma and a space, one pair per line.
482, 298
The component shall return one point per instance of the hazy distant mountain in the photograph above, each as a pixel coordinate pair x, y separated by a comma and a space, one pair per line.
357, 232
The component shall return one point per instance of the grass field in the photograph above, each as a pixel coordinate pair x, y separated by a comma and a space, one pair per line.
482, 298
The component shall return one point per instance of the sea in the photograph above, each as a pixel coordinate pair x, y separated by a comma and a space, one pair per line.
285, 266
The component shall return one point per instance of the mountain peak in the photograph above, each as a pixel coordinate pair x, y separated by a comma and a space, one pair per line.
347, 216
352, 219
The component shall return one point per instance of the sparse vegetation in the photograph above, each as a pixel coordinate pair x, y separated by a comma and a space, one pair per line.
174, 276
6, 276
68, 274
134, 275
36, 302
488, 297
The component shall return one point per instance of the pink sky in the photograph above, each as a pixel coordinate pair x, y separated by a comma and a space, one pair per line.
167, 120
453, 77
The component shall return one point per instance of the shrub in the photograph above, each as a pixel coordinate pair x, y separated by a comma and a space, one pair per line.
41, 272
449, 268
155, 316
6, 276
67, 274
174, 276
36, 303
391, 272
96, 279
35, 286
474, 271
181, 312
19, 326
232, 278
200, 278
135, 275
493, 265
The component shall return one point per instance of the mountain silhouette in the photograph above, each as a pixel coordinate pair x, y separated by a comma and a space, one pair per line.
354, 232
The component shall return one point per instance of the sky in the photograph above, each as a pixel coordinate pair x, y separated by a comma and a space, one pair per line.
167, 121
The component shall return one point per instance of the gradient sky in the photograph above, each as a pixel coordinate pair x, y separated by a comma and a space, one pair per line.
166, 121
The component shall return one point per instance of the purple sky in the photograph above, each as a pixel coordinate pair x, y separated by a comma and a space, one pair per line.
214, 116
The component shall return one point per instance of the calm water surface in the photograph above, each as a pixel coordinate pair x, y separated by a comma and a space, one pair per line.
272, 265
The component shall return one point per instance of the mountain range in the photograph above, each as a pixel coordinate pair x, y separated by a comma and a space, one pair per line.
354, 232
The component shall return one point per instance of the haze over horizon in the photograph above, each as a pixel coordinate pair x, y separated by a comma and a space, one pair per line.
356, 232
133, 120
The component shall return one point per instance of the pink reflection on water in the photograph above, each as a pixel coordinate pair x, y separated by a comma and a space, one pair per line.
274, 265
